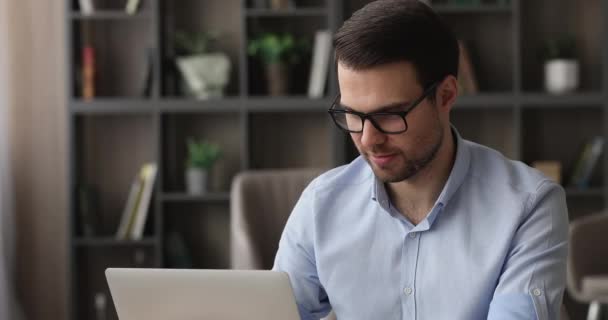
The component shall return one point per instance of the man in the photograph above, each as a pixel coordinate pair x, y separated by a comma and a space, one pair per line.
424, 224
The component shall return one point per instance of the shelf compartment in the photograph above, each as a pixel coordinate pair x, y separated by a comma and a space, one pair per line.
579, 207
302, 29
195, 17
492, 61
110, 150
290, 140
584, 22
493, 127
204, 230
222, 128
120, 71
89, 277
560, 135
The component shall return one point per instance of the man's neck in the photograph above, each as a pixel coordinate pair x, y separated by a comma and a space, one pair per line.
415, 197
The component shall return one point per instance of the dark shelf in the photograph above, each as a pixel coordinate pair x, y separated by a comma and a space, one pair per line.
590, 192
588, 99
112, 242
298, 12
110, 15
112, 105
192, 105
486, 100
183, 197
287, 104
461, 9
126, 105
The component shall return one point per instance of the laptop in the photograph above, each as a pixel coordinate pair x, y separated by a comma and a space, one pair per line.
179, 294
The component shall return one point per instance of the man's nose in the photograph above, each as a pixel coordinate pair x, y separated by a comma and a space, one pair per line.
371, 136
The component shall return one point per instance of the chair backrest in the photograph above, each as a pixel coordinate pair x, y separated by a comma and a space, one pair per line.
260, 203
587, 251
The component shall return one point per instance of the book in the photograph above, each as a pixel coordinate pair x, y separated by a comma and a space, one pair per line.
586, 162
148, 176
88, 72
132, 6
467, 82
129, 210
146, 90
86, 6
320, 64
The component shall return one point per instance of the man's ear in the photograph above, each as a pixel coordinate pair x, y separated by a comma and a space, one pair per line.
447, 92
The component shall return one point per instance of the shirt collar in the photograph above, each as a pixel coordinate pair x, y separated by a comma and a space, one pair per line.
457, 176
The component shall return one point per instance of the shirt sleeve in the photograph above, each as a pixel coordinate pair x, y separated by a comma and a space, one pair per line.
296, 256
533, 278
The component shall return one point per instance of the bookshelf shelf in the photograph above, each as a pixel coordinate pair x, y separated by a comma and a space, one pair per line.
112, 242
591, 99
171, 105
472, 9
298, 12
287, 104
590, 192
182, 197
109, 15
112, 105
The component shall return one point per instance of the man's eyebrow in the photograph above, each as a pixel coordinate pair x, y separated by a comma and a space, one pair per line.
388, 107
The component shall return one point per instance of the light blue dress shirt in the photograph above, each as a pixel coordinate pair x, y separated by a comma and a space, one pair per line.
494, 245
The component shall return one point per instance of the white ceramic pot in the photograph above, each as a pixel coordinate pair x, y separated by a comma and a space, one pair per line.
196, 181
206, 75
561, 76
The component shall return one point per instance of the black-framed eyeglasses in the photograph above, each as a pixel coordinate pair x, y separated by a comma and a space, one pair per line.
390, 122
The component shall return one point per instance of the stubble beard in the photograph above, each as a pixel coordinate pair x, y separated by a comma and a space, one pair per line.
406, 168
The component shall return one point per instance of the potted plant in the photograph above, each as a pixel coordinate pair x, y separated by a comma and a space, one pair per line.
561, 66
206, 73
277, 52
201, 157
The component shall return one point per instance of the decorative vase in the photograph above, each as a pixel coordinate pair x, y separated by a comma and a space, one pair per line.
561, 76
196, 181
276, 74
206, 75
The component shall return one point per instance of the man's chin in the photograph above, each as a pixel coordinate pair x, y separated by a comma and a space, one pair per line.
387, 175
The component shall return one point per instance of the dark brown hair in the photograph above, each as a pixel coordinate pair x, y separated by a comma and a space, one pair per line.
387, 31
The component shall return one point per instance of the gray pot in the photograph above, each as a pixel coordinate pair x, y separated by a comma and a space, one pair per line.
196, 181
276, 74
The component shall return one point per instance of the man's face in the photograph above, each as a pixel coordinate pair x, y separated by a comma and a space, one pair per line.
392, 157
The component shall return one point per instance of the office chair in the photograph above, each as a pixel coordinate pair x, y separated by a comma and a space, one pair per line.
588, 262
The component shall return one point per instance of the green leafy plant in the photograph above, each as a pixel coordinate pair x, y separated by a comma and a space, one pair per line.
193, 43
275, 48
202, 154
560, 48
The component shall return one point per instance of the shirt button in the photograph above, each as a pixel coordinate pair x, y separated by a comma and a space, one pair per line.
536, 292
408, 291
412, 235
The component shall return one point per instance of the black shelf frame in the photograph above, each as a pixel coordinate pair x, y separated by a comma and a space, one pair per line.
241, 105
